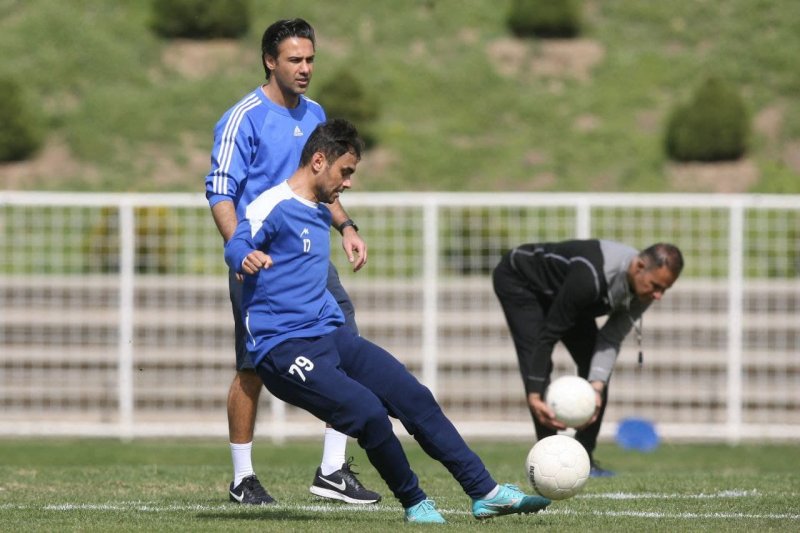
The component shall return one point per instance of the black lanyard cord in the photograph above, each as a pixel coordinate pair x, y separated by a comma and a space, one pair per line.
638, 329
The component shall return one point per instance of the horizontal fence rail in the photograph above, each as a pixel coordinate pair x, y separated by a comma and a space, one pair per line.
115, 318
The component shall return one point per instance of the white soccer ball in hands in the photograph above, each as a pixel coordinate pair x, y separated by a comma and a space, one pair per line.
558, 467
572, 399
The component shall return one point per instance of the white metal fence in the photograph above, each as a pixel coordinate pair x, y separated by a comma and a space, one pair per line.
115, 319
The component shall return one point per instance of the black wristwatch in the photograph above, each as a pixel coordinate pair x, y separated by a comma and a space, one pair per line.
346, 223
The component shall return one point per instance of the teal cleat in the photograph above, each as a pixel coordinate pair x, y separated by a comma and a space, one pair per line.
424, 513
509, 500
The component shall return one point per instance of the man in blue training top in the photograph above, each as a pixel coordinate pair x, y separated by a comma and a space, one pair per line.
257, 144
307, 358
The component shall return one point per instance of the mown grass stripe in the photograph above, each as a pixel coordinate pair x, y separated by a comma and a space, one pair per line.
335, 508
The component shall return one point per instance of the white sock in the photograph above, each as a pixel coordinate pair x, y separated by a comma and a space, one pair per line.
242, 461
333, 451
492, 493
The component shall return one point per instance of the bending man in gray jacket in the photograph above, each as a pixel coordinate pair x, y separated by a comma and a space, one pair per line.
553, 292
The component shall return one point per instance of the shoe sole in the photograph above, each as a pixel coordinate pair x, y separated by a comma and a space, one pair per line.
510, 512
234, 500
487, 516
333, 495
442, 521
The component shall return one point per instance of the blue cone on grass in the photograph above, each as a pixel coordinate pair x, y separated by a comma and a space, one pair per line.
637, 434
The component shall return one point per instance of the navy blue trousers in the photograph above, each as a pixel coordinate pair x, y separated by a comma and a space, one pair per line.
355, 385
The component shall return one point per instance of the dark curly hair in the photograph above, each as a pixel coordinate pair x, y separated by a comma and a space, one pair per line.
333, 138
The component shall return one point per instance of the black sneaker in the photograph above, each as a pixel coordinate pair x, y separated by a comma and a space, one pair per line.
598, 471
342, 485
250, 491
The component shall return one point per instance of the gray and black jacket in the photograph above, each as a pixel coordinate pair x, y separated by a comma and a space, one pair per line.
575, 279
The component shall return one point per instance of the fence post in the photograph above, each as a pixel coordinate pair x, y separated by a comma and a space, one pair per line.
583, 219
735, 301
430, 294
127, 250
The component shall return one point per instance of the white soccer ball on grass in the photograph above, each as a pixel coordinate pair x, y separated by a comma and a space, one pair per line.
572, 399
558, 467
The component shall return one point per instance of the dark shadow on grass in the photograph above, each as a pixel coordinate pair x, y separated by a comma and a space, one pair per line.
276, 513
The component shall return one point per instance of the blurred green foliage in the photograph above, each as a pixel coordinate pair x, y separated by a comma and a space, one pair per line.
344, 96
157, 241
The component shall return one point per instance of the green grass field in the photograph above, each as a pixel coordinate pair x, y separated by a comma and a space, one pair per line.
180, 485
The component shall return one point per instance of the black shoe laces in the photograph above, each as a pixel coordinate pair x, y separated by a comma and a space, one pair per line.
254, 487
349, 475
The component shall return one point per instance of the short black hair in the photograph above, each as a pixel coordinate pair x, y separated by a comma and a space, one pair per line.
333, 138
663, 254
280, 31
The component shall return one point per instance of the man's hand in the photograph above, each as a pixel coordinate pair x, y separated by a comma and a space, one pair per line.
355, 248
255, 261
598, 387
542, 412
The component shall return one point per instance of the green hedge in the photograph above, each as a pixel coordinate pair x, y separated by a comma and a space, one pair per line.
21, 132
545, 18
713, 126
201, 19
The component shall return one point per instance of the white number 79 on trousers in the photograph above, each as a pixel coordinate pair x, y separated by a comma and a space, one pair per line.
300, 364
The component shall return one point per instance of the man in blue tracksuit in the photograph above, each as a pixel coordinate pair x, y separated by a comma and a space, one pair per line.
257, 144
305, 357
554, 291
